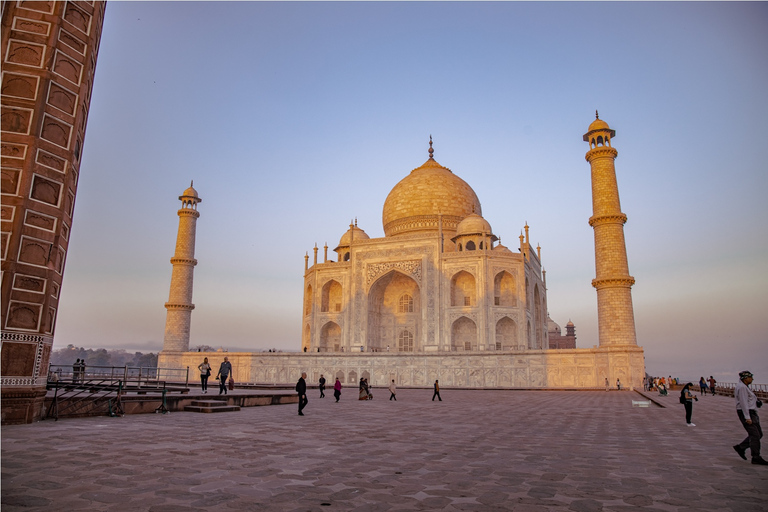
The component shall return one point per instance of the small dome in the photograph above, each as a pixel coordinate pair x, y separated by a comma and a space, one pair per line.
569, 324
552, 326
353, 233
473, 224
502, 249
598, 124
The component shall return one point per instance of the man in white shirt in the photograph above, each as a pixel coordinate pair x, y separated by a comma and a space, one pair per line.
746, 408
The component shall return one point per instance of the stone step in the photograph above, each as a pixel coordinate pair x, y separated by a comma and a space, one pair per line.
215, 407
209, 403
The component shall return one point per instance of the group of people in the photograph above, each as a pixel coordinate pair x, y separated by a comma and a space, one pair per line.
747, 405
224, 376
703, 387
364, 390
78, 371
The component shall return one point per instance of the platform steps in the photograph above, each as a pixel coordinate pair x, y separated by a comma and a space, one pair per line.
210, 406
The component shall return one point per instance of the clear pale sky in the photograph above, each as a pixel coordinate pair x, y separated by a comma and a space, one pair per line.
294, 118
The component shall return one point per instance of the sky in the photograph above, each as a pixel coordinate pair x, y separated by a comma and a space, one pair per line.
294, 118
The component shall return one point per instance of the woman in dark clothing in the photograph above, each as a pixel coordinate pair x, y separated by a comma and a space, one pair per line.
686, 398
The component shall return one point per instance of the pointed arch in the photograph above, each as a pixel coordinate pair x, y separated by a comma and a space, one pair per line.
394, 305
506, 334
308, 300
330, 337
504, 289
306, 338
538, 321
331, 298
463, 289
463, 334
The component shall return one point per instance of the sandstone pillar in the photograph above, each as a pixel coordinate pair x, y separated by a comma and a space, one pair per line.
179, 303
49, 52
616, 319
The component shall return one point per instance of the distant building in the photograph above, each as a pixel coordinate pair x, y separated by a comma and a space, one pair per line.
556, 338
437, 281
439, 297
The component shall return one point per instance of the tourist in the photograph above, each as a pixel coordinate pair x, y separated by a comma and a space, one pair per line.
437, 392
393, 391
712, 383
205, 372
82, 370
225, 370
607, 386
368, 389
686, 398
746, 408
363, 389
337, 389
702, 386
301, 389
76, 371
321, 385
618, 384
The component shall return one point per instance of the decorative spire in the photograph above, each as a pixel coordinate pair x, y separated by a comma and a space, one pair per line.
597, 116
191, 183
431, 151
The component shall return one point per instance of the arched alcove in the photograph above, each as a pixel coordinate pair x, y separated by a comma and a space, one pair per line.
331, 297
463, 289
394, 305
504, 290
463, 334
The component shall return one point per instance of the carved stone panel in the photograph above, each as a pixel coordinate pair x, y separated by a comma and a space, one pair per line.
19, 86
23, 315
56, 131
33, 251
32, 26
62, 99
45, 190
25, 53
68, 68
15, 120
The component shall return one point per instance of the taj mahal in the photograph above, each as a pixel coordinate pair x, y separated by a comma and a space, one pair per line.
437, 298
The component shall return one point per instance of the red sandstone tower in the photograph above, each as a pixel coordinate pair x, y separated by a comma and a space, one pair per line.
49, 52
616, 318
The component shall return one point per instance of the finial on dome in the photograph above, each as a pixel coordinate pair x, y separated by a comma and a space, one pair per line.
597, 116
355, 221
431, 151
191, 183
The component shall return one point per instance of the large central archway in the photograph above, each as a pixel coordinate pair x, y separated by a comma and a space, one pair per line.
394, 308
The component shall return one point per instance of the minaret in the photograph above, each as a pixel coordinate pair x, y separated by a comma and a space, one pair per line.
179, 303
49, 54
616, 319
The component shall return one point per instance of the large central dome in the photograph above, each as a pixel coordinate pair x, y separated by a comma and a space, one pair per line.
415, 202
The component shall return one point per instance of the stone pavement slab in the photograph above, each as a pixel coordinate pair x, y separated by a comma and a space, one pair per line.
526, 451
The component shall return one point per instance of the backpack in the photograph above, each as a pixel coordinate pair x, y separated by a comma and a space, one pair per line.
682, 399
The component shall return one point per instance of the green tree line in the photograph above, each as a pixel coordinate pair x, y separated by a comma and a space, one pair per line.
102, 357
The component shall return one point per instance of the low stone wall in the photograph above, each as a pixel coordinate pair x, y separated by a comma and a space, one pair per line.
566, 368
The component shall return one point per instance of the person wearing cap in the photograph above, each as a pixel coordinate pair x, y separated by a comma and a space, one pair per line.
746, 408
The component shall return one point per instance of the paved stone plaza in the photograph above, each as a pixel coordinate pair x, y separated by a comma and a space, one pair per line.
476, 450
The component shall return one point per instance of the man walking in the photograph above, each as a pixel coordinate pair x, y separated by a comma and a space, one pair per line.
437, 392
321, 385
712, 383
746, 408
301, 389
225, 370
393, 391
